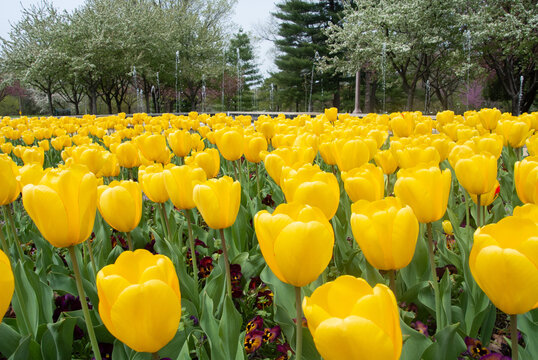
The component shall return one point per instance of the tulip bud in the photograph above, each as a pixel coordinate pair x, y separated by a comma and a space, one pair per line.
526, 179
10, 188
151, 179
7, 284
180, 182
386, 160
218, 201
364, 183
230, 144
478, 173
208, 160
127, 154
120, 204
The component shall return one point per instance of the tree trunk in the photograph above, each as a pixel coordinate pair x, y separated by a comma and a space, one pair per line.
93, 101
336, 96
49, 98
410, 99
118, 105
77, 109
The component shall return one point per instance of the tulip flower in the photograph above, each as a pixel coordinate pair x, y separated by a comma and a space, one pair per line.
120, 204
489, 118
478, 173
10, 189
63, 205
293, 157
230, 144
296, 242
416, 155
253, 146
6, 148
515, 132
30, 174
140, 300
7, 283
526, 179
527, 211
180, 182
309, 185
386, 161
180, 142
364, 183
403, 126
208, 159
503, 263
331, 114
218, 201
127, 154
386, 232
33, 155
154, 148
350, 154
447, 227
151, 179
349, 319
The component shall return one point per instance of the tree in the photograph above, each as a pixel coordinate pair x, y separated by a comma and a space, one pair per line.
300, 38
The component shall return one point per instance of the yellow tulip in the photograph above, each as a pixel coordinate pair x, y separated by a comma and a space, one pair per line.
127, 154
218, 201
28, 138
489, 118
296, 242
445, 117
180, 182
531, 142
7, 284
6, 148
478, 173
140, 300
63, 205
151, 179
230, 144
10, 188
111, 166
293, 157
526, 179
33, 155
253, 146
403, 126
349, 319
208, 160
180, 142
386, 161
331, 114
426, 190
364, 183
416, 155
527, 211
91, 156
350, 154
326, 152
44, 144
487, 198
154, 148
386, 232
515, 132
120, 204
504, 263
30, 174
447, 227
309, 185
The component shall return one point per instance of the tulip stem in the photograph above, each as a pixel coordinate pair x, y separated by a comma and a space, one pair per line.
257, 165
155, 356
478, 211
82, 297
90, 251
467, 211
438, 315
9, 218
129, 240
298, 325
514, 336
193, 248
17, 289
167, 224
226, 264
392, 281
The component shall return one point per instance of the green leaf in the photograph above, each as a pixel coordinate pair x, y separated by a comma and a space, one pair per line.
10, 339
57, 340
27, 349
415, 343
448, 345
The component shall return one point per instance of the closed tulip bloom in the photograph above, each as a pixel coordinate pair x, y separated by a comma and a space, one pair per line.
447, 227
309, 185
180, 182
532, 144
180, 142
208, 160
140, 300
326, 152
504, 263
30, 174
7, 284
331, 114
489, 118
350, 320
253, 146
527, 211
33, 155
127, 154
350, 154
364, 183
478, 173
91, 156
28, 138
230, 144
154, 148
10, 188
489, 197
403, 126
386, 161
44, 144
6, 148
445, 117
386, 232
296, 241
293, 157
526, 179
151, 179
218, 201
515, 132
63, 205
120, 204
426, 190
111, 167
416, 155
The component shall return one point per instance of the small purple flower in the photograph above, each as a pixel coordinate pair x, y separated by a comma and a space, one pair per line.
194, 319
254, 324
253, 341
495, 356
420, 327
271, 334
198, 242
475, 349
205, 267
236, 274
254, 283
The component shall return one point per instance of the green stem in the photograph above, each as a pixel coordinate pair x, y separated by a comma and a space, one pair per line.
513, 336
467, 208
193, 248
226, 264
155, 356
438, 315
129, 241
298, 325
478, 211
17, 288
82, 297
257, 165
167, 224
392, 281
9, 218
92, 260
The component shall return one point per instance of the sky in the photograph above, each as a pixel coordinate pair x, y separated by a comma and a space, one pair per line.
251, 15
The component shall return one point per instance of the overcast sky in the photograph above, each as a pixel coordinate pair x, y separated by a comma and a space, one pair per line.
251, 15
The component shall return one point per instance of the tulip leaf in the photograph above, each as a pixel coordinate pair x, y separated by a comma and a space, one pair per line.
10, 339
529, 327
28, 304
57, 340
448, 344
445, 288
28, 349
415, 344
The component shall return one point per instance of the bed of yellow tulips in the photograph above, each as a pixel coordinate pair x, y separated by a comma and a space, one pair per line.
391, 236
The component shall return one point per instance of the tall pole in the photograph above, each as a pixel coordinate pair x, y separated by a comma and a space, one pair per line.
177, 92
223, 69
357, 92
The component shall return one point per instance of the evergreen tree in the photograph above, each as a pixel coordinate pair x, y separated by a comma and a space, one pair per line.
301, 36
